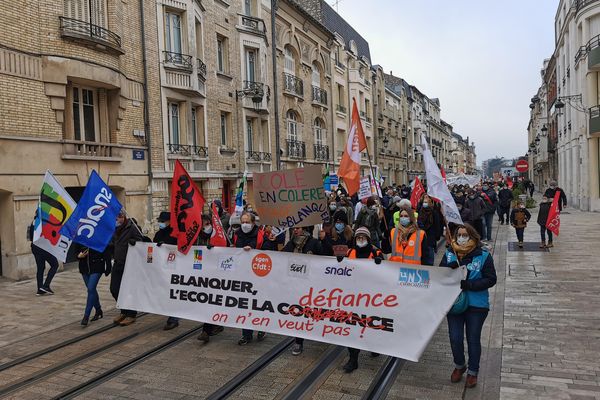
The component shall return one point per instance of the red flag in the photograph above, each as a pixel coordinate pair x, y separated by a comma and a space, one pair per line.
443, 172
218, 236
186, 209
350, 164
509, 182
417, 192
553, 221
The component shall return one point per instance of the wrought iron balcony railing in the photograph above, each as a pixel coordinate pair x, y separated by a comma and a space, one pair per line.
293, 84
319, 95
341, 108
178, 59
321, 152
579, 4
86, 30
254, 24
257, 156
187, 150
201, 67
296, 149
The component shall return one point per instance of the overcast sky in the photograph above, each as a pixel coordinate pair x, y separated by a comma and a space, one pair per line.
481, 58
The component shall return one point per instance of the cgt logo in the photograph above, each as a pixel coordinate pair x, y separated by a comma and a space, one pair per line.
262, 264
339, 271
414, 277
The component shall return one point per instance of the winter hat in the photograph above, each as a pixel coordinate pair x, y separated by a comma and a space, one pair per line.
235, 220
363, 231
341, 215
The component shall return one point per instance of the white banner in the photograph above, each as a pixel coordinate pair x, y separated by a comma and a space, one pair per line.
364, 189
390, 308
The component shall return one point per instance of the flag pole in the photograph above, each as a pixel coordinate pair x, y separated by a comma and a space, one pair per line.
133, 222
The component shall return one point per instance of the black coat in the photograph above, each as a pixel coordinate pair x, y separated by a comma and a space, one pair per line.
120, 241
490, 207
505, 197
165, 236
543, 213
562, 200
311, 246
95, 262
242, 239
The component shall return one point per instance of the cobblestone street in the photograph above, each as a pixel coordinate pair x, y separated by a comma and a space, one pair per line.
541, 339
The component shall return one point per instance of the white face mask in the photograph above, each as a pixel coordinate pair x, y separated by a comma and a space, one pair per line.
361, 243
207, 229
462, 240
246, 228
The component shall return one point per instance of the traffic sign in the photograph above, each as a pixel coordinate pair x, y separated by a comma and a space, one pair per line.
522, 165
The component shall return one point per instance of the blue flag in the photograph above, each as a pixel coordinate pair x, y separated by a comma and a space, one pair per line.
93, 221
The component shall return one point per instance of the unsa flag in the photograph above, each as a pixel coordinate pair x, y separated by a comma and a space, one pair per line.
187, 203
553, 221
350, 164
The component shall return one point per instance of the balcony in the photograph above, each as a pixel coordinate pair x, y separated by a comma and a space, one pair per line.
178, 60
201, 68
95, 151
88, 33
258, 156
321, 152
293, 85
340, 108
368, 119
252, 25
187, 150
593, 53
296, 149
595, 121
581, 4
319, 96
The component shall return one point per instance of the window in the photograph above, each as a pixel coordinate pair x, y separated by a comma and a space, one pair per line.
319, 129
250, 65
248, 7
194, 127
173, 109
224, 129
368, 108
173, 32
316, 75
199, 52
222, 54
290, 63
249, 129
85, 114
292, 126
80, 10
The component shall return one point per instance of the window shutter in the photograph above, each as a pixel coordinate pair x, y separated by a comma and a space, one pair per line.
76, 9
99, 13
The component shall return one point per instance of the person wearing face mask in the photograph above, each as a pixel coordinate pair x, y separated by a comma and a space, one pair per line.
543, 212
465, 249
234, 226
250, 236
332, 209
362, 249
505, 198
340, 235
519, 217
491, 205
408, 242
126, 233
552, 190
430, 221
164, 235
370, 218
477, 206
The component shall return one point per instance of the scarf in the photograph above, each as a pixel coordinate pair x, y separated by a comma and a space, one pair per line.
462, 251
299, 242
405, 232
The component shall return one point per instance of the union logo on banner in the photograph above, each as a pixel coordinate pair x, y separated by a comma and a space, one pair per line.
197, 260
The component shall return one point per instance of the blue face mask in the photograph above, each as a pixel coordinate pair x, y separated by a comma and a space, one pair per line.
339, 227
425, 205
162, 225
404, 221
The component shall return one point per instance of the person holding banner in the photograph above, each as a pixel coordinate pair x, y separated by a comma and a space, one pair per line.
408, 242
363, 248
543, 213
92, 264
340, 235
125, 234
302, 242
250, 236
472, 310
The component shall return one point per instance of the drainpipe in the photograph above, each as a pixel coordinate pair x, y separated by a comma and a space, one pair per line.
146, 110
275, 94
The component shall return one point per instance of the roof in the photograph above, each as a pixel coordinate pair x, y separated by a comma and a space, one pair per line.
297, 4
335, 23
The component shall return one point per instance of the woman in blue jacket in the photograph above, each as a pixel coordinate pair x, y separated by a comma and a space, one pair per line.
466, 250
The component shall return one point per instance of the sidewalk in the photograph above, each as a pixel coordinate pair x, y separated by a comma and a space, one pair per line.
551, 337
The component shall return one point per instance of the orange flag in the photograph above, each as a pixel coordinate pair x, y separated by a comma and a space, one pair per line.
349, 168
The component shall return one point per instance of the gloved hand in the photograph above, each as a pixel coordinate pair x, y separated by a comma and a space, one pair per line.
160, 244
209, 246
377, 260
339, 258
464, 285
132, 242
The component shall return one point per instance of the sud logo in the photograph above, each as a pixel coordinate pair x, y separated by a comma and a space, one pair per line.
414, 277
339, 271
298, 269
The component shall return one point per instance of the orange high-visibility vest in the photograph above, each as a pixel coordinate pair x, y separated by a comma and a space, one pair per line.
352, 254
411, 254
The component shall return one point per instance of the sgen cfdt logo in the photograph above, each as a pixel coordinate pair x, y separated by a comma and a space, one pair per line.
262, 264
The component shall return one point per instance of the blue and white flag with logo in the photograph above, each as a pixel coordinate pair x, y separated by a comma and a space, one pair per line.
92, 224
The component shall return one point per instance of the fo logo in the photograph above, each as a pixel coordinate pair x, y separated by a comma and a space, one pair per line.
262, 264
414, 277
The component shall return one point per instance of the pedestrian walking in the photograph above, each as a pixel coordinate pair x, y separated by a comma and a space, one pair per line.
465, 249
362, 248
505, 198
92, 264
477, 206
490, 199
408, 242
42, 257
531, 188
552, 190
519, 217
543, 212
430, 221
126, 234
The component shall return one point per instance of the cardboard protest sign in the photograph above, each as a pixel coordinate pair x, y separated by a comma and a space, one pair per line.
364, 189
289, 198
